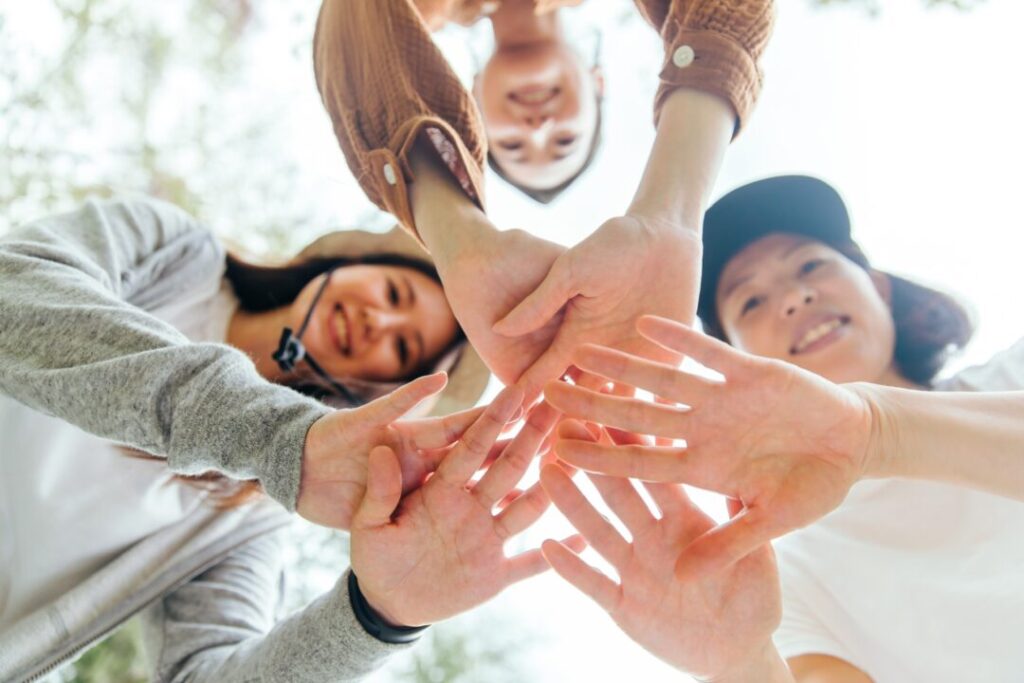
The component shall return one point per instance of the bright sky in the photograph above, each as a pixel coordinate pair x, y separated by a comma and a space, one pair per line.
913, 115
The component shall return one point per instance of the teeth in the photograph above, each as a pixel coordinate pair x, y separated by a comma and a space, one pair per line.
342, 327
816, 333
534, 97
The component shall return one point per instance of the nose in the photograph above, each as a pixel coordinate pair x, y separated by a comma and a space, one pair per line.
536, 120
796, 298
380, 321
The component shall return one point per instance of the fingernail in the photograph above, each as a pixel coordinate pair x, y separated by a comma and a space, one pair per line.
518, 415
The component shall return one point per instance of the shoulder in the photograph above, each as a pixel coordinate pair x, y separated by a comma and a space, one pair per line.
1002, 372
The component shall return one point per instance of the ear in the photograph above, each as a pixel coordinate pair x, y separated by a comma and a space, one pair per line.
598, 75
883, 285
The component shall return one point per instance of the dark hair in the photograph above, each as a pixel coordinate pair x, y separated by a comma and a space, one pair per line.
930, 325
548, 195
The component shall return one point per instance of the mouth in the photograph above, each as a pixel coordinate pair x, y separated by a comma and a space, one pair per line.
534, 95
340, 330
821, 335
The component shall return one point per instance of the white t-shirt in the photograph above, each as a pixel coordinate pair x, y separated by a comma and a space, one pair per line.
911, 580
70, 501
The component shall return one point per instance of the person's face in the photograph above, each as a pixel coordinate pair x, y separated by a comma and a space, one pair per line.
798, 300
375, 322
539, 107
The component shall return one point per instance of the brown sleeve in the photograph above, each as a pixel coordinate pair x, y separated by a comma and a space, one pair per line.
385, 83
713, 46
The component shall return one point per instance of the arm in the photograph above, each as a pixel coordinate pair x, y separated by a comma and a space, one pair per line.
71, 346
971, 439
220, 627
825, 669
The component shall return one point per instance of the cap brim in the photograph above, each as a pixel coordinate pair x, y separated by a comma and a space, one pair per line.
793, 204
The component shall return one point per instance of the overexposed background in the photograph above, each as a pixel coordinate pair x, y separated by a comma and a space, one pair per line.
910, 110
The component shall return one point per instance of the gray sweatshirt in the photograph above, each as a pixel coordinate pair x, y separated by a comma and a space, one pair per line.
76, 343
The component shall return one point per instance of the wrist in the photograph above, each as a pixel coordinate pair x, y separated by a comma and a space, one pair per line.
377, 622
879, 452
765, 665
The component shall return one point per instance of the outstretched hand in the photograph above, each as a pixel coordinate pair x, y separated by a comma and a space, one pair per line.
712, 627
782, 440
595, 291
338, 446
440, 550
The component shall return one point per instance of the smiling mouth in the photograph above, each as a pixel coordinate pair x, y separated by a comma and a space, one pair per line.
534, 96
820, 335
340, 330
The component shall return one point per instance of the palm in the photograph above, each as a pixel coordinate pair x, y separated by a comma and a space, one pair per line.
706, 627
439, 530
701, 626
440, 551
486, 284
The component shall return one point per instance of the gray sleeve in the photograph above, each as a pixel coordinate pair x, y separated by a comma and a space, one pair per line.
72, 347
220, 627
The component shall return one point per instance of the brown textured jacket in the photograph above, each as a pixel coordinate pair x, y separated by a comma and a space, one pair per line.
385, 83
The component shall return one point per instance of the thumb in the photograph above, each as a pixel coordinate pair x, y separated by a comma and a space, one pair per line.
383, 490
723, 546
541, 305
389, 408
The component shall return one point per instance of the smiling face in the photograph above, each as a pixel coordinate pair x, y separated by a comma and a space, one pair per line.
375, 322
799, 300
539, 107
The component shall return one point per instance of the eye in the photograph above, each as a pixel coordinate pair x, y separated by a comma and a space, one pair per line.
810, 266
565, 141
750, 304
402, 349
510, 145
392, 293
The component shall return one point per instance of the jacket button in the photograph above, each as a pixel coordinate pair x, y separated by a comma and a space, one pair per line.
683, 56
389, 174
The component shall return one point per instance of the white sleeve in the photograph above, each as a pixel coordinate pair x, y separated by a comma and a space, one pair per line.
802, 631
1003, 372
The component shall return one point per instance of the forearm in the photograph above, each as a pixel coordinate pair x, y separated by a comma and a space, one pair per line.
446, 219
970, 439
693, 134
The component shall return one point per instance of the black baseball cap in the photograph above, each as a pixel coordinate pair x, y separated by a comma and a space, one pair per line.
794, 204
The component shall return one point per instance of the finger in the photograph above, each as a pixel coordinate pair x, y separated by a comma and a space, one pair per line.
383, 490
594, 382
389, 408
548, 367
661, 440
686, 518
600, 534
539, 306
706, 350
469, 453
629, 414
724, 545
438, 432
622, 438
646, 463
582, 576
625, 502
522, 512
733, 506
661, 379
508, 469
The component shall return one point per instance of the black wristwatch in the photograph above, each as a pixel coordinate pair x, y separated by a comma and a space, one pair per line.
373, 623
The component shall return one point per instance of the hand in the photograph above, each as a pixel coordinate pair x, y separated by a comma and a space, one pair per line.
627, 267
440, 551
782, 440
492, 272
710, 627
337, 447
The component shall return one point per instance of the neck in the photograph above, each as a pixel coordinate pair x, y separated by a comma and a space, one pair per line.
516, 24
257, 335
